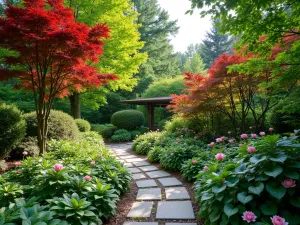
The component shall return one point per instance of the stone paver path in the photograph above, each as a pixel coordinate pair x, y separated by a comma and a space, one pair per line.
159, 194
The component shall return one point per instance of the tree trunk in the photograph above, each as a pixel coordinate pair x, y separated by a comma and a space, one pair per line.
75, 105
42, 132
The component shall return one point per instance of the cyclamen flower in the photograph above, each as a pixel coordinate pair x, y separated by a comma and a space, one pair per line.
194, 161
253, 135
87, 178
92, 163
218, 140
262, 133
211, 144
220, 156
251, 149
230, 140
289, 183
249, 217
25, 153
277, 220
244, 136
58, 167
205, 168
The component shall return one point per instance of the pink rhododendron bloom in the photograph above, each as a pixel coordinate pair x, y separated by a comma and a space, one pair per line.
211, 144
223, 138
230, 140
218, 140
277, 220
292, 135
92, 163
18, 163
87, 178
194, 161
171, 153
289, 183
244, 136
262, 133
253, 135
251, 149
205, 168
220, 156
249, 217
58, 167
25, 153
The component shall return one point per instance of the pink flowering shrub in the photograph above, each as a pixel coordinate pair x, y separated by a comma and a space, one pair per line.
258, 183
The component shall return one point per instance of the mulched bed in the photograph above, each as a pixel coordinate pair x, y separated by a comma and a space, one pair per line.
127, 200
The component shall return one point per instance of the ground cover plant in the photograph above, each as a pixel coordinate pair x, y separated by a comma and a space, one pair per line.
75, 182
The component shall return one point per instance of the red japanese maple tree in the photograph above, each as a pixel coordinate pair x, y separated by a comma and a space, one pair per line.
54, 53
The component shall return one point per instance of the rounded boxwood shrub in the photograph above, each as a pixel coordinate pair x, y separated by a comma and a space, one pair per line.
154, 154
83, 125
12, 128
60, 126
121, 135
128, 119
134, 134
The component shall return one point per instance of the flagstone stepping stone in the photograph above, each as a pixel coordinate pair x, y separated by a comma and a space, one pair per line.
146, 183
168, 182
175, 210
129, 165
181, 224
134, 170
157, 174
121, 160
141, 163
137, 176
134, 160
122, 154
149, 194
149, 168
141, 223
127, 156
174, 193
140, 209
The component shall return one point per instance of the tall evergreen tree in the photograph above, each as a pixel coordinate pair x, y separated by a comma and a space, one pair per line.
214, 45
195, 64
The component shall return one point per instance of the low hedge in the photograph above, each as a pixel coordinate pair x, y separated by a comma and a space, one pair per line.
128, 119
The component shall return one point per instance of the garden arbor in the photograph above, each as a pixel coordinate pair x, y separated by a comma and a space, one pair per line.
150, 104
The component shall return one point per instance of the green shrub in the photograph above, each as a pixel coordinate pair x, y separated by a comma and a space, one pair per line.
29, 145
12, 128
83, 125
154, 154
264, 181
61, 126
100, 127
121, 135
162, 124
128, 119
134, 134
144, 143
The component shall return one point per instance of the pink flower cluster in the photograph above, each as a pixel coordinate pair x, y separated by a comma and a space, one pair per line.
92, 163
289, 183
194, 161
277, 220
25, 153
58, 167
87, 178
251, 149
220, 156
231, 141
249, 217
253, 135
262, 133
211, 144
244, 136
205, 168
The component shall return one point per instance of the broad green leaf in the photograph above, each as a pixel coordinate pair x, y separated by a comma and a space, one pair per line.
268, 209
294, 165
257, 189
214, 216
279, 158
257, 159
218, 188
292, 174
232, 181
230, 210
295, 201
276, 192
241, 169
244, 198
274, 172
206, 196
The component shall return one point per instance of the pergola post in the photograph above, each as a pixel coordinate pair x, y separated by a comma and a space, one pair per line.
150, 109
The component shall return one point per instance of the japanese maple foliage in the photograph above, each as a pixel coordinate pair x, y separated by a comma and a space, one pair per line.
54, 53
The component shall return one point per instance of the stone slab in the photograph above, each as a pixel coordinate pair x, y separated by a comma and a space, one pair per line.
141, 163
181, 224
122, 154
168, 182
149, 168
134, 170
149, 194
137, 176
140, 223
128, 165
177, 193
158, 174
134, 160
140, 209
146, 183
121, 160
175, 210
128, 157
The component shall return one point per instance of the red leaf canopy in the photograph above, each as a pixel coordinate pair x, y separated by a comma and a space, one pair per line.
54, 51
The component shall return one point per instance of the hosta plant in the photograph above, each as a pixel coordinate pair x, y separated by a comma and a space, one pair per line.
259, 185
144, 143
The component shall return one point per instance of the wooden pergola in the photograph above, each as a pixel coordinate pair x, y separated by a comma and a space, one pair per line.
150, 103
